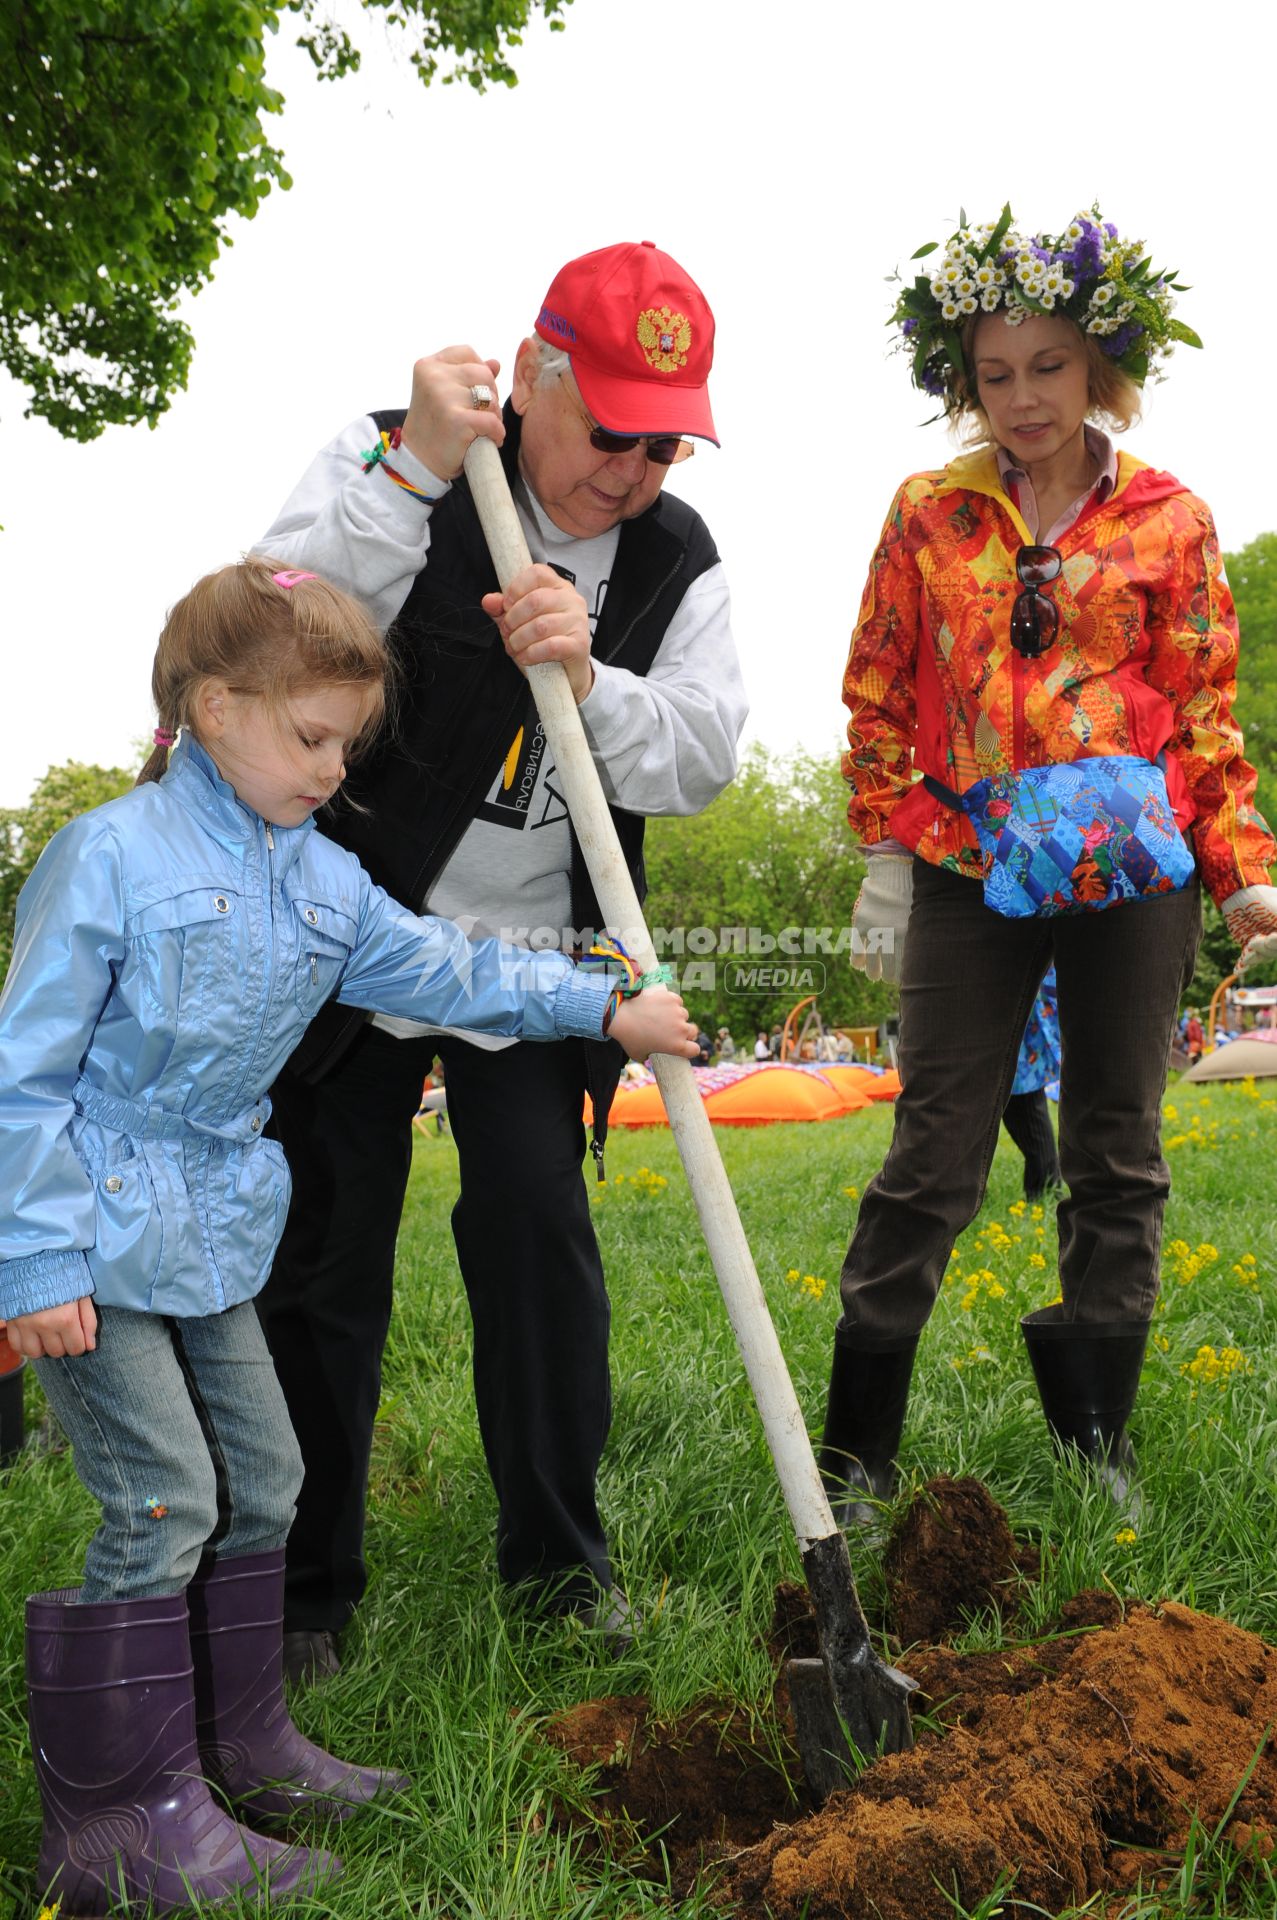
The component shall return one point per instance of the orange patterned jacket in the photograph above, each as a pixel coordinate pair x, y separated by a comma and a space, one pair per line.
1145, 661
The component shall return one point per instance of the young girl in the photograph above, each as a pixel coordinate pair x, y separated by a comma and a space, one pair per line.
170, 949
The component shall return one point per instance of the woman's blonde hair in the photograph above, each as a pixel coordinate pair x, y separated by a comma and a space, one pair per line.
1114, 398
267, 640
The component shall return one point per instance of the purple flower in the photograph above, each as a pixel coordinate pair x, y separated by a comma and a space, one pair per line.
933, 380
1116, 344
909, 327
1110, 229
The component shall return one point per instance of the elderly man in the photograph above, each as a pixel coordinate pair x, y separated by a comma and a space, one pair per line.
459, 812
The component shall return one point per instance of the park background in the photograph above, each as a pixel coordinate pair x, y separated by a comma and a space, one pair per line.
791, 162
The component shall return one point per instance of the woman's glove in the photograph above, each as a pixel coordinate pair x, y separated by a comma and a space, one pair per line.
1251, 919
881, 915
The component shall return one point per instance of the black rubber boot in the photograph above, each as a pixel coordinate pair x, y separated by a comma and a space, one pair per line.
864, 1419
1087, 1374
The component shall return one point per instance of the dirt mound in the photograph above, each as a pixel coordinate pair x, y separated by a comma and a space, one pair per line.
1139, 1725
1057, 1757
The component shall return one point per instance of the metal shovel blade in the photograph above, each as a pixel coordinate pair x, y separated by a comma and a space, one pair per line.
848, 1696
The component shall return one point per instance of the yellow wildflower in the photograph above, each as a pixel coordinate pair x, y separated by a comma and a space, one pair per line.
812, 1286
1125, 1536
852, 1193
1037, 1259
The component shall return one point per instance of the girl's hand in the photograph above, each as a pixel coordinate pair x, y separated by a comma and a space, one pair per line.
654, 1021
56, 1332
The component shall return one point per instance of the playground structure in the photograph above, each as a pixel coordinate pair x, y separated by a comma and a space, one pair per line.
803, 1032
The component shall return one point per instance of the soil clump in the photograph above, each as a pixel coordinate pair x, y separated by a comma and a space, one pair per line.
1077, 1761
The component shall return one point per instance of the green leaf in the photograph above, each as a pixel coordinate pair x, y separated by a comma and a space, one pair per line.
1181, 332
924, 251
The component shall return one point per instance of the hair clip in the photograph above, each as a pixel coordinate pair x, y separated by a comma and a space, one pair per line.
164, 737
292, 579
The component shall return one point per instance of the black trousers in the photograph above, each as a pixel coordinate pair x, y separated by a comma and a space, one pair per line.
1027, 1118
969, 981
533, 1276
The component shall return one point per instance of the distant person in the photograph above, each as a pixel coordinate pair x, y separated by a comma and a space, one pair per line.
726, 1045
170, 949
1048, 639
1027, 1113
704, 1048
762, 1047
1194, 1037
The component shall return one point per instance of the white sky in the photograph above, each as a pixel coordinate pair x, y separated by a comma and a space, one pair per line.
790, 163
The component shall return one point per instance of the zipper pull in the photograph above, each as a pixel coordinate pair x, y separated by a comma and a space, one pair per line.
314, 971
596, 1148
270, 838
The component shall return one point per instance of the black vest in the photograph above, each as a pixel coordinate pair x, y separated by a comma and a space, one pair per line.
460, 700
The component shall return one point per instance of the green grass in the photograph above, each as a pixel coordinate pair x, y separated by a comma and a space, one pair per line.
441, 1679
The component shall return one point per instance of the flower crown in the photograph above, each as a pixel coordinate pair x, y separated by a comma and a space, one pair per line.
1089, 274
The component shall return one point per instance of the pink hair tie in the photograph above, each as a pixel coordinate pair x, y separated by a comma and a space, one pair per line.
291, 579
164, 737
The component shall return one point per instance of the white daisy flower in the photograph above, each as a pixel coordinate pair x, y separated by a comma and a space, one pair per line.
983, 276
967, 304
938, 289
1015, 313
1102, 294
965, 288
1068, 290
950, 309
1048, 301
991, 299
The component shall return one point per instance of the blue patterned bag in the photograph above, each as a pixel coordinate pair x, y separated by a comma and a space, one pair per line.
1076, 837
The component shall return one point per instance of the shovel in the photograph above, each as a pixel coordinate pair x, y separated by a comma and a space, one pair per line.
847, 1699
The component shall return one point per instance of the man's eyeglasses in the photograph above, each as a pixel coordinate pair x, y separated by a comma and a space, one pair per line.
665, 448
1035, 620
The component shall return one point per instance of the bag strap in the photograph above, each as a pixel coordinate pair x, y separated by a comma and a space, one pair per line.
946, 795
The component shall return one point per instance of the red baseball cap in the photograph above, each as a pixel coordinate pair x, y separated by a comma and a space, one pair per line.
640, 336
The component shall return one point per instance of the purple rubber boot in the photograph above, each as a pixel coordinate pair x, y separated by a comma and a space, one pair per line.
128, 1816
249, 1747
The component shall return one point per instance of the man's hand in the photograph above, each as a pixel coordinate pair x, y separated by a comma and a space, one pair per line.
1251, 918
542, 617
654, 1021
881, 915
442, 418
56, 1331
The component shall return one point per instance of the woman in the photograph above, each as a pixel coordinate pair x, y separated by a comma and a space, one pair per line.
1040, 601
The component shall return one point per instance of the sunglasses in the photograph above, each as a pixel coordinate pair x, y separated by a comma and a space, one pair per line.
1035, 620
665, 448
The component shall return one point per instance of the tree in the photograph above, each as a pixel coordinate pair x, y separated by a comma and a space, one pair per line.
1252, 575
130, 131
751, 900
61, 795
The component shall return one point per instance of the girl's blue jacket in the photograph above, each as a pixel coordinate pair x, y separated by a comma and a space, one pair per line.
170, 950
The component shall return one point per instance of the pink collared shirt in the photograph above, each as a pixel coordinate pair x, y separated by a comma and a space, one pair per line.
1019, 487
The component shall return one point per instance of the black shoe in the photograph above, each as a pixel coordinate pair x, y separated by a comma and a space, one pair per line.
310, 1656
864, 1419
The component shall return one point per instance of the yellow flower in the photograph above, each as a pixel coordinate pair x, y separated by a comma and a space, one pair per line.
852, 1193
793, 1276
813, 1286
1125, 1536
1037, 1259
1018, 1207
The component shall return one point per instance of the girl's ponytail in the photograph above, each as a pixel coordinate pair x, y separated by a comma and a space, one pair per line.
157, 765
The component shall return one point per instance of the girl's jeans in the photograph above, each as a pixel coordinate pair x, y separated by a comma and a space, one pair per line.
969, 980
181, 1434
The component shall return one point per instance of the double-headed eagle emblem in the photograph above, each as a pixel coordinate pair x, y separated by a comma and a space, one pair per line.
665, 337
